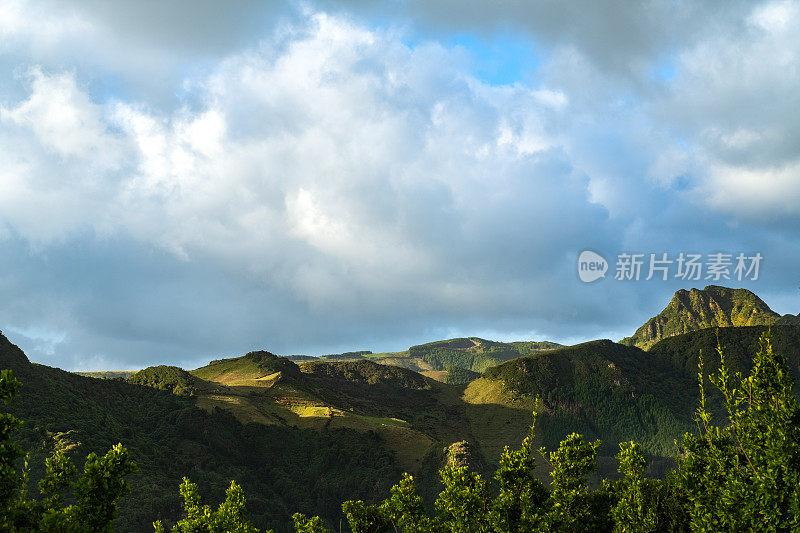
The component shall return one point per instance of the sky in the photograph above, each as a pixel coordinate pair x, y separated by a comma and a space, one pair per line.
188, 180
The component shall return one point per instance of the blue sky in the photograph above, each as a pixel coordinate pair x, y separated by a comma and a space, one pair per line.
501, 59
188, 180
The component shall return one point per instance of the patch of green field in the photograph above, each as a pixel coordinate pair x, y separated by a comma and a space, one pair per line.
108, 374
317, 411
240, 407
438, 375
411, 363
215, 369
497, 417
387, 354
483, 391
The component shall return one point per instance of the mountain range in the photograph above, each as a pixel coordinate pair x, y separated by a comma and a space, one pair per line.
304, 434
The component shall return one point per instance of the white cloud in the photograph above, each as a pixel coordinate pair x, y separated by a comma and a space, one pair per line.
735, 97
775, 16
36, 26
63, 118
364, 158
61, 161
755, 193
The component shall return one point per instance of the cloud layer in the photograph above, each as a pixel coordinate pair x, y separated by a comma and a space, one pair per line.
312, 178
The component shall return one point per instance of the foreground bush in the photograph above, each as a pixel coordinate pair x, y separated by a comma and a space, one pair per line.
96, 492
201, 519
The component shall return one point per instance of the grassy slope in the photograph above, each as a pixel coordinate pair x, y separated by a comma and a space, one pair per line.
250, 369
497, 416
360, 395
108, 374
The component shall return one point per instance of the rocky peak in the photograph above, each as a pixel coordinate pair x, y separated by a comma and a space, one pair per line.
713, 306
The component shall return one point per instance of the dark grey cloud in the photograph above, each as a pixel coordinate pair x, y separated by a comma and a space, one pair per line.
622, 38
187, 26
136, 50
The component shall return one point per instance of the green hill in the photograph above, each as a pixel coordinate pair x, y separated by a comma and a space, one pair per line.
12, 357
171, 378
603, 390
365, 374
739, 344
473, 353
443, 360
300, 358
710, 307
617, 393
255, 368
457, 376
